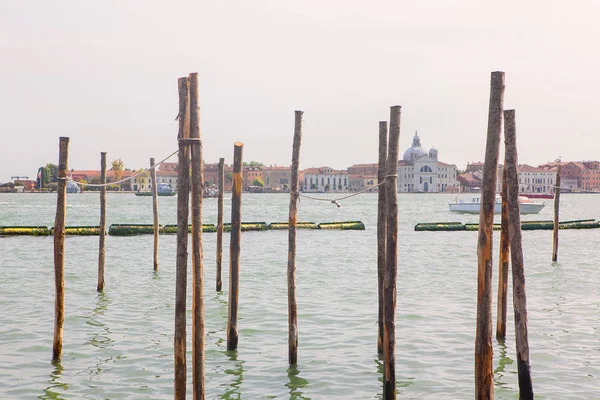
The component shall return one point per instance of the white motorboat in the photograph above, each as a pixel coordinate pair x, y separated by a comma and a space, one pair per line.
526, 205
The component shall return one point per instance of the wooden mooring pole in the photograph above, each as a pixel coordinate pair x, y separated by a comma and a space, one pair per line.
101, 246
220, 224
556, 216
291, 270
154, 211
391, 260
484, 376
516, 251
234, 247
381, 223
503, 264
183, 196
197, 265
59, 248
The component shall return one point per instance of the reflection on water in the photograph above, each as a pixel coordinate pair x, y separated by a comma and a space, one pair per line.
55, 383
101, 338
296, 382
502, 363
233, 388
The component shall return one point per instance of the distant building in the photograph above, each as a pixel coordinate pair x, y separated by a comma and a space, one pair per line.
250, 174
420, 171
359, 183
324, 179
536, 179
276, 178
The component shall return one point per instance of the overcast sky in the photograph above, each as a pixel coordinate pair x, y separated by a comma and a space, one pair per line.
105, 74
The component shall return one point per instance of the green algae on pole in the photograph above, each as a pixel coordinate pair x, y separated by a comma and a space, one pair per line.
155, 211
503, 264
59, 248
383, 138
291, 269
234, 247
484, 375
391, 259
183, 189
516, 251
219, 278
102, 241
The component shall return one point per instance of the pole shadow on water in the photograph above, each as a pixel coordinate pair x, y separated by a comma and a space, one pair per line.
55, 383
295, 383
503, 361
101, 339
236, 371
399, 383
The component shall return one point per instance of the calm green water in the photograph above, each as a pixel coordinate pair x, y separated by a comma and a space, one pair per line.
119, 344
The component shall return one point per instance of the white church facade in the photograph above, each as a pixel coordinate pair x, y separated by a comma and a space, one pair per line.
420, 171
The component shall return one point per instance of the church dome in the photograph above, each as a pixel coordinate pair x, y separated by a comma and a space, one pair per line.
415, 151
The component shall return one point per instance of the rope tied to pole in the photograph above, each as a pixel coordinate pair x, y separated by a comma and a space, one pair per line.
335, 201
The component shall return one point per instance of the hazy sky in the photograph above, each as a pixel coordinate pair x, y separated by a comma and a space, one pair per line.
105, 74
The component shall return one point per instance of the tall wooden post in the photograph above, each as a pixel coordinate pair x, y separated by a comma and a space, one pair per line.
484, 377
59, 248
381, 224
516, 250
154, 211
101, 246
234, 247
503, 264
391, 259
556, 216
291, 271
197, 265
183, 196
220, 224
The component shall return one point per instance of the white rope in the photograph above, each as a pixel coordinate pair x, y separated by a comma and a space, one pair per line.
69, 179
335, 201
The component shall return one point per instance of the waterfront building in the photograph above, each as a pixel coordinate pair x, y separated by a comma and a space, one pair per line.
249, 174
357, 183
324, 179
536, 179
276, 178
421, 171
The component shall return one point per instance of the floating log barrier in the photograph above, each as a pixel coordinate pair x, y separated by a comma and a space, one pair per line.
299, 225
148, 229
80, 230
248, 226
475, 227
579, 224
24, 230
525, 225
173, 228
442, 226
347, 225
130, 229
